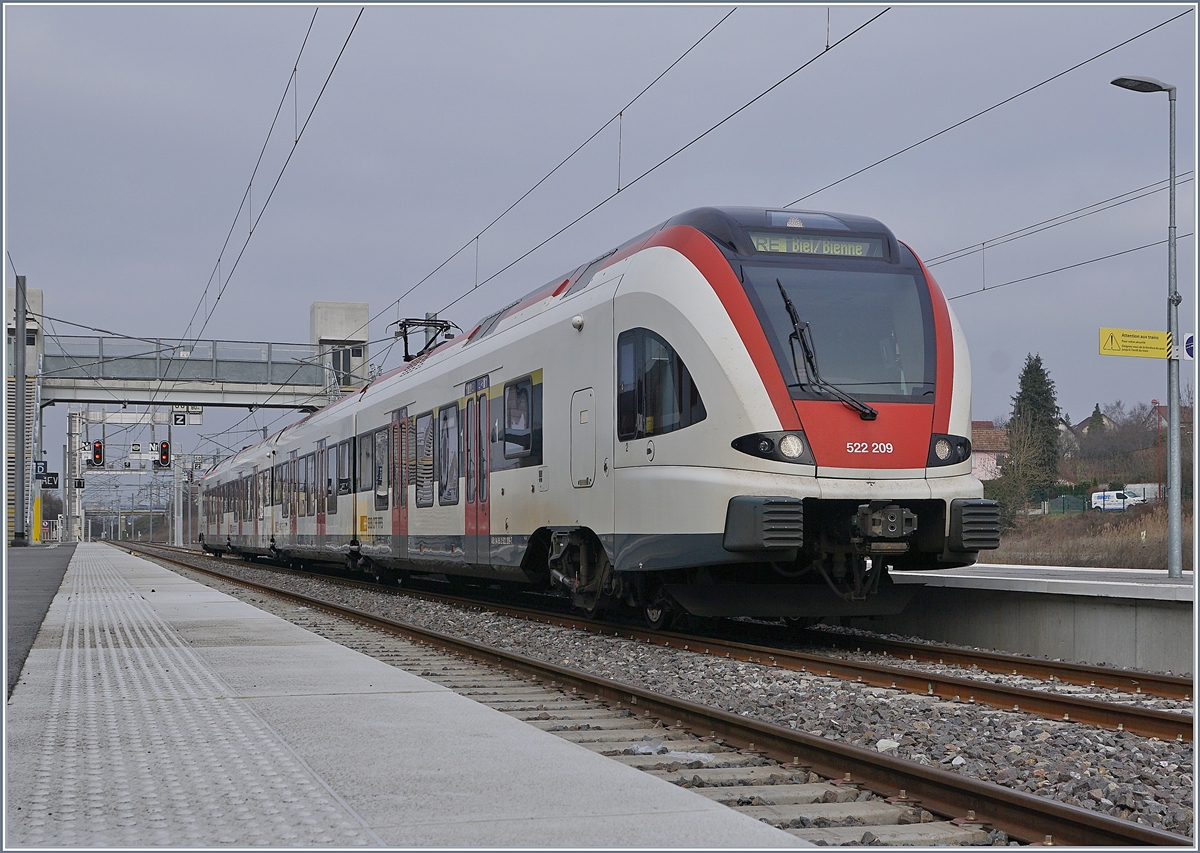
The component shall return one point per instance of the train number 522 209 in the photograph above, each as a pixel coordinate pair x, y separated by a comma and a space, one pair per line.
868, 447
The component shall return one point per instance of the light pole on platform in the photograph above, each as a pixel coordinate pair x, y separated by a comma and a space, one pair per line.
1174, 463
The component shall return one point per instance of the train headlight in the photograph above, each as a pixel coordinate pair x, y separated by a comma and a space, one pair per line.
791, 446
776, 446
948, 450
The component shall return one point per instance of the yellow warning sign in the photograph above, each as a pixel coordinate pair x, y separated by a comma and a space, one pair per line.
1138, 343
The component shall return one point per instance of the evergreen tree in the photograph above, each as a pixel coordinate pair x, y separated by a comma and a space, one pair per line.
1035, 417
1096, 422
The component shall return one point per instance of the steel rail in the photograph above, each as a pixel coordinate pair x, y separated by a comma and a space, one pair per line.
1132, 681
1022, 816
1165, 725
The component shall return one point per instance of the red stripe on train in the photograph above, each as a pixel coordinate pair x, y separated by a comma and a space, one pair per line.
944, 389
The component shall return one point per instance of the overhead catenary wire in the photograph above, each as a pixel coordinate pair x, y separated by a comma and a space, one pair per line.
1054, 221
202, 303
618, 116
666, 159
1063, 269
279, 177
982, 112
209, 312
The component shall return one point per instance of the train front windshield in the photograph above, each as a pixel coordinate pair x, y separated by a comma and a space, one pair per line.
870, 327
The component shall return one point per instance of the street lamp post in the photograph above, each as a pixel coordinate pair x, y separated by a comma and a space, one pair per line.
1174, 465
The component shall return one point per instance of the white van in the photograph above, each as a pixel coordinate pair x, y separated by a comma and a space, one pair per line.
1116, 500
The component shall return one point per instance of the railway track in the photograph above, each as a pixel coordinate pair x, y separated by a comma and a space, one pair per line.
788, 777
1165, 725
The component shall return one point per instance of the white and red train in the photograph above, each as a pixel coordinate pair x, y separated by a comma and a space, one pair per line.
739, 412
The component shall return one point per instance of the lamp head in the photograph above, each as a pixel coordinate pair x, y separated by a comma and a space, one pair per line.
1144, 84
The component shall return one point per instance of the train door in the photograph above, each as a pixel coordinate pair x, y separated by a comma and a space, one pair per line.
655, 399
400, 475
583, 438
478, 539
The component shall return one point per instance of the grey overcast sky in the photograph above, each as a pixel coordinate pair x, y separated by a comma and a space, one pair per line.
131, 133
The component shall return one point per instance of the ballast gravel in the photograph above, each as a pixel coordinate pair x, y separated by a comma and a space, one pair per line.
1124, 775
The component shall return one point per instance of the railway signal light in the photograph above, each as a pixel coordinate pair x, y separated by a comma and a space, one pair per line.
97, 454
164, 455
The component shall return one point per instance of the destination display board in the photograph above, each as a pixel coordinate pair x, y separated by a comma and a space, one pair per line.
816, 244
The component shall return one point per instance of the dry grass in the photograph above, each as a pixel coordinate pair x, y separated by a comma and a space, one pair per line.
1134, 539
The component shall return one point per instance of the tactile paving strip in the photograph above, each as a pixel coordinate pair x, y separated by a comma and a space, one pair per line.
144, 745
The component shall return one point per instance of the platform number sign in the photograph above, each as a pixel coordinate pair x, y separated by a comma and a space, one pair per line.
178, 418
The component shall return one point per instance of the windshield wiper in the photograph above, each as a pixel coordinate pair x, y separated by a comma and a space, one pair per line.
803, 335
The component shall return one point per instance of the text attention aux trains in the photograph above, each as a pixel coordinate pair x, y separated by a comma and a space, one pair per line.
740, 412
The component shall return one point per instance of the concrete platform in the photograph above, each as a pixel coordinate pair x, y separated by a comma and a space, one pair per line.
1119, 617
154, 711
1061, 580
33, 575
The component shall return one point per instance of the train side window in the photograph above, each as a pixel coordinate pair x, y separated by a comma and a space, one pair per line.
426, 444
344, 468
655, 391
366, 463
302, 487
518, 419
331, 479
448, 447
285, 493
382, 469
319, 488
485, 447
310, 464
628, 405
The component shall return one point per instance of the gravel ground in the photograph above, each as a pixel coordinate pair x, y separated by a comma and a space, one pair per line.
1123, 774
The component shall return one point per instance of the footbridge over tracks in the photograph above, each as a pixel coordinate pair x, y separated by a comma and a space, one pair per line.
149, 371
